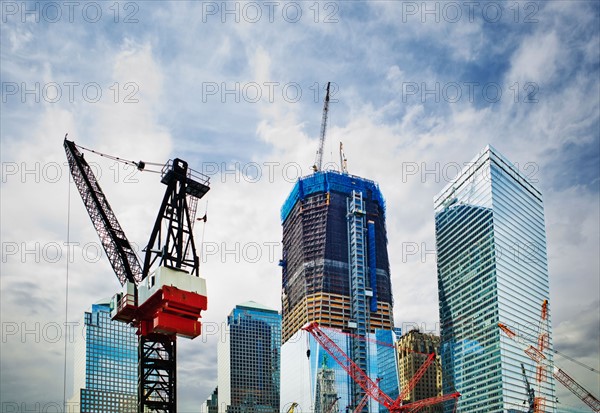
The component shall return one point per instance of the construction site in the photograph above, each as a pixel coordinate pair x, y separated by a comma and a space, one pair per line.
333, 347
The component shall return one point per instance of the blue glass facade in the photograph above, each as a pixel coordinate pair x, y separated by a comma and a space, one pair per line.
492, 268
107, 364
250, 359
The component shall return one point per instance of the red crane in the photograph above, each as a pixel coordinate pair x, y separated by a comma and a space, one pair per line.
164, 297
365, 398
367, 384
584, 395
538, 353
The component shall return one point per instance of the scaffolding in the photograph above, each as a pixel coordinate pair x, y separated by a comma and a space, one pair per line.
331, 181
359, 320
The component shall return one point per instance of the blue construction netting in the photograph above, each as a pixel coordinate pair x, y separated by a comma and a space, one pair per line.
331, 181
372, 264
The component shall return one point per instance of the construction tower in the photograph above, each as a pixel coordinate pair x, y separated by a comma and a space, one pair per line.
335, 271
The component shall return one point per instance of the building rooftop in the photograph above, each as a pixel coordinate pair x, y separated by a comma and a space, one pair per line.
325, 181
255, 306
489, 153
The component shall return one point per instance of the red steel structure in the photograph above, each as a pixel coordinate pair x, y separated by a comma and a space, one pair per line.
371, 387
538, 353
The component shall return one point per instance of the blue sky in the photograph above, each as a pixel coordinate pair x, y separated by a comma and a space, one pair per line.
419, 90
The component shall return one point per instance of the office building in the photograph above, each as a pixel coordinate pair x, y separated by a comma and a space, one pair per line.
412, 350
105, 361
335, 270
211, 405
492, 268
249, 360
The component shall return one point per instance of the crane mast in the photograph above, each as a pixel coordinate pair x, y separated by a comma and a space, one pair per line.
319, 160
530, 391
162, 303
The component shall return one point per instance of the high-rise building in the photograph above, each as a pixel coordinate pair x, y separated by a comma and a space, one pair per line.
412, 350
105, 376
249, 360
211, 405
492, 268
335, 270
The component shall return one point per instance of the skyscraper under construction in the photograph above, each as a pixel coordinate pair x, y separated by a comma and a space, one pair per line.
335, 271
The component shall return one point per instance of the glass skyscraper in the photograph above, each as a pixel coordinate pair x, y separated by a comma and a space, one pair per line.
105, 377
249, 360
492, 268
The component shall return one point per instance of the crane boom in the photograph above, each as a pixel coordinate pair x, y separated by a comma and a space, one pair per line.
419, 404
319, 161
121, 255
364, 400
584, 395
415, 379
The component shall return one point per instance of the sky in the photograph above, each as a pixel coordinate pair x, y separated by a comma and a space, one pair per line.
236, 89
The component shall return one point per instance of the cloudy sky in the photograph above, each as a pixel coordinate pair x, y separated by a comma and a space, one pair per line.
236, 89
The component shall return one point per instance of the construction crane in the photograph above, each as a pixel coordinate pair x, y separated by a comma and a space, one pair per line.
530, 392
162, 298
292, 408
537, 353
361, 405
319, 159
368, 385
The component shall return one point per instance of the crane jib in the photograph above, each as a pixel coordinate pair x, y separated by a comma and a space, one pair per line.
112, 237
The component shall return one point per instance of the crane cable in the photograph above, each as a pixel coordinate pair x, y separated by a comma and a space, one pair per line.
140, 165
67, 290
585, 366
577, 362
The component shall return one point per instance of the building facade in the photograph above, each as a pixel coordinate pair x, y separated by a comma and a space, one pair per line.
335, 270
105, 377
211, 405
249, 360
412, 349
492, 268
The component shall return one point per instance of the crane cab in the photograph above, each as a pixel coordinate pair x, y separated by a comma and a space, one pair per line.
123, 305
168, 301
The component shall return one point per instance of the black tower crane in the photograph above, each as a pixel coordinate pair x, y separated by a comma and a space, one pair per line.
163, 302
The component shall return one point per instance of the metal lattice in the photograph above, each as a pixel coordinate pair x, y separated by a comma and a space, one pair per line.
118, 249
171, 242
357, 260
157, 374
